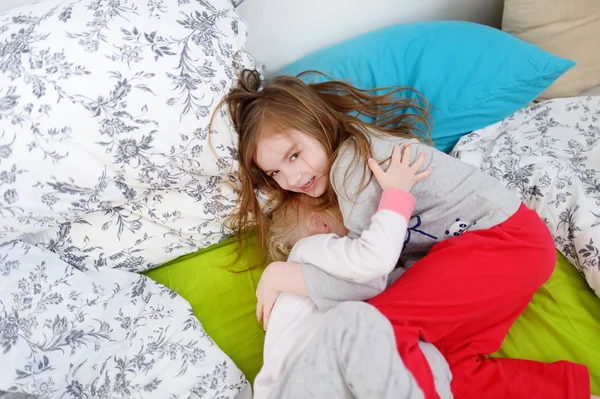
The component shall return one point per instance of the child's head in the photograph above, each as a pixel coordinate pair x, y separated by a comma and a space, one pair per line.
298, 217
290, 133
287, 134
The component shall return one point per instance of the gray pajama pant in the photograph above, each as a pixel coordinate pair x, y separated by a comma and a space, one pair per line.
353, 355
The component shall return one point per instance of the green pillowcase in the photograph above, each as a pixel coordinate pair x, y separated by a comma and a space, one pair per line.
561, 323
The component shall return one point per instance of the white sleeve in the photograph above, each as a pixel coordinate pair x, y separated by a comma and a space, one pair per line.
374, 254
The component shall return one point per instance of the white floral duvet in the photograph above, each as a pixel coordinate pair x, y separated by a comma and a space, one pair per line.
67, 333
549, 153
106, 170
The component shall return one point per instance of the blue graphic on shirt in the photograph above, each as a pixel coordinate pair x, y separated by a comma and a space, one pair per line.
415, 229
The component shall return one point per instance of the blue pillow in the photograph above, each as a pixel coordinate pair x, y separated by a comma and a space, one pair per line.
471, 75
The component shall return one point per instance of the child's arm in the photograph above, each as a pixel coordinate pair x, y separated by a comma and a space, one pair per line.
358, 196
278, 277
324, 289
374, 254
327, 290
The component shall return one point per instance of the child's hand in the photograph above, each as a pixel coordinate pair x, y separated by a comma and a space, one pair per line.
278, 277
267, 292
400, 174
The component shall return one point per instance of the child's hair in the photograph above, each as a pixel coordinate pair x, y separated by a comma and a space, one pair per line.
327, 111
291, 222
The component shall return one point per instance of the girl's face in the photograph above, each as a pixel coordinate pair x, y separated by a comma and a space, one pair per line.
296, 161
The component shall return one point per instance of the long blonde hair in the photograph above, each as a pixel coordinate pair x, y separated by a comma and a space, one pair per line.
329, 112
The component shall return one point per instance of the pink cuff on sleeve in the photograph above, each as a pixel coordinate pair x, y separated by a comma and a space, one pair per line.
398, 201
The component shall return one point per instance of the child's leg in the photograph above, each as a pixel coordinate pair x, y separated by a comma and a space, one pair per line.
353, 355
464, 296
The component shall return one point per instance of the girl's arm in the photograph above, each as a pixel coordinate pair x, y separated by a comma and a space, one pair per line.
283, 277
324, 289
327, 290
366, 261
374, 254
371, 248
376, 251
319, 265
358, 198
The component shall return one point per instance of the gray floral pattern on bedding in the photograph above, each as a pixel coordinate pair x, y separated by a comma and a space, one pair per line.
106, 157
108, 167
549, 153
105, 334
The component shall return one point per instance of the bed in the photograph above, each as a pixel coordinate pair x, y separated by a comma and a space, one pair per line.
114, 254
563, 319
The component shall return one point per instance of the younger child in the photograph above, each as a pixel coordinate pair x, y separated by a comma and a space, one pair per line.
353, 337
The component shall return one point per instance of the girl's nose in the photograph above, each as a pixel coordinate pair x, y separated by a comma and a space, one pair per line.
295, 180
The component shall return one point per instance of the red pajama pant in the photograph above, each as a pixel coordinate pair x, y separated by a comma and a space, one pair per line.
464, 296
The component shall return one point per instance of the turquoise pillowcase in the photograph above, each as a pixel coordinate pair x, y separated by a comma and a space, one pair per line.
472, 75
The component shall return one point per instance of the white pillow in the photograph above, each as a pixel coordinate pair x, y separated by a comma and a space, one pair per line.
105, 104
8, 4
65, 333
145, 234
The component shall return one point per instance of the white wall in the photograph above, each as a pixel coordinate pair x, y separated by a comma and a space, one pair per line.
281, 31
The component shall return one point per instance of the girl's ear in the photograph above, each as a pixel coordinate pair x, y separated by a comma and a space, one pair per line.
319, 224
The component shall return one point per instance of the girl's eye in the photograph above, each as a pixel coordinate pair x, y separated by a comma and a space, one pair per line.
294, 156
274, 173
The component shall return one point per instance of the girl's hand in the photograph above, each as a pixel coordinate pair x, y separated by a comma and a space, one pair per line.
278, 277
267, 294
400, 174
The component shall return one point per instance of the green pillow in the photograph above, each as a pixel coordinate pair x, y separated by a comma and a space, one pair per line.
561, 323
224, 301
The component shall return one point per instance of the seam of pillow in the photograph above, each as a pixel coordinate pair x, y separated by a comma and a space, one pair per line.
529, 82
